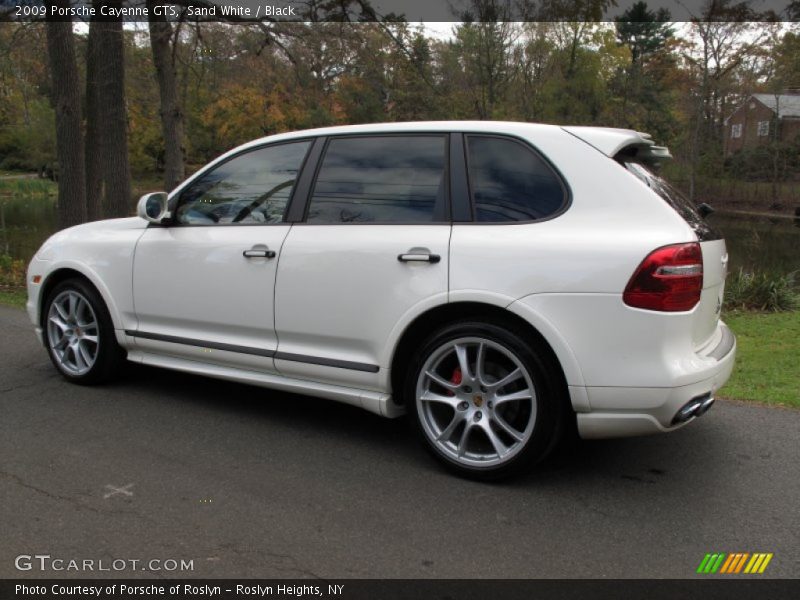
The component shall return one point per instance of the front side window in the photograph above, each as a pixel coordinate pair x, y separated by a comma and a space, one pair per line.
381, 179
736, 130
763, 128
250, 188
510, 182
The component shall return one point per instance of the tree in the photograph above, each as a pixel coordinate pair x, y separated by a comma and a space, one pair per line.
723, 38
787, 59
95, 136
643, 31
171, 111
111, 96
69, 137
645, 34
483, 42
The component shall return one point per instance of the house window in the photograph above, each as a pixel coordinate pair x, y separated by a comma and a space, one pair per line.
763, 128
736, 130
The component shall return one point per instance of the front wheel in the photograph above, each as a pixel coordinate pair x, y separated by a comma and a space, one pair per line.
485, 403
79, 334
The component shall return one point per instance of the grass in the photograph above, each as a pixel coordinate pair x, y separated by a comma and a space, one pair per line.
13, 297
15, 188
761, 291
768, 358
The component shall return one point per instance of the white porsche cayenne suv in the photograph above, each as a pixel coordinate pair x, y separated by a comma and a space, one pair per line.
496, 281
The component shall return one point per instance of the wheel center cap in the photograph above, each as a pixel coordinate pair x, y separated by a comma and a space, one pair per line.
477, 400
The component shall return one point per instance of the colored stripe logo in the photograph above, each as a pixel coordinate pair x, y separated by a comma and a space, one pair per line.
734, 563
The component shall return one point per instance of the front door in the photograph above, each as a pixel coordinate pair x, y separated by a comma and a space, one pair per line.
204, 286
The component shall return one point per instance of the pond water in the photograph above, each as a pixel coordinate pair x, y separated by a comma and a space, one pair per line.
761, 243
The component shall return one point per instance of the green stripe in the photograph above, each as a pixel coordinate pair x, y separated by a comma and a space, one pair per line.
701, 568
718, 564
711, 562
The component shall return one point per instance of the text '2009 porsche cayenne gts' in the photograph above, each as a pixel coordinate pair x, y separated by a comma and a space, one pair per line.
494, 281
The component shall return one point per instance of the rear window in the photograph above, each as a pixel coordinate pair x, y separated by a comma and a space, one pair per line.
510, 182
672, 196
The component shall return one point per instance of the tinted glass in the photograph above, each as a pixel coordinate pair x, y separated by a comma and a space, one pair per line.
398, 179
510, 182
675, 199
251, 188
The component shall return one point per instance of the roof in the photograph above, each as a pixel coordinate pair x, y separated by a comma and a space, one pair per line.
607, 140
788, 105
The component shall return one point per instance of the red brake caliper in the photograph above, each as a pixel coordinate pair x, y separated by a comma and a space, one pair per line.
455, 379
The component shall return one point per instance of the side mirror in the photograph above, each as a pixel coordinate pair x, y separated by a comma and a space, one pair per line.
153, 207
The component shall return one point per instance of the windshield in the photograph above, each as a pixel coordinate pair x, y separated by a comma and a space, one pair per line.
682, 205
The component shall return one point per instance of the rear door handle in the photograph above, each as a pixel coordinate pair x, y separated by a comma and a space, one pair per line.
259, 252
419, 257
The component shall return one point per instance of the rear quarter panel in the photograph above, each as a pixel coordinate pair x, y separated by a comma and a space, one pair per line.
594, 246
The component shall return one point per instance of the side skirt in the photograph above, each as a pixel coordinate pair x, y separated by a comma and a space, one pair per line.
375, 402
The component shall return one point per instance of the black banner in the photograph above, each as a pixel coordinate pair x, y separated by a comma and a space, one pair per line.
395, 589
274, 11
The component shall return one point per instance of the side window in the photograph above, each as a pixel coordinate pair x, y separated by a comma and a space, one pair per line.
250, 188
387, 179
510, 182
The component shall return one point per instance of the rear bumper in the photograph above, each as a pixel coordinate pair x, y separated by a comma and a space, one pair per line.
633, 411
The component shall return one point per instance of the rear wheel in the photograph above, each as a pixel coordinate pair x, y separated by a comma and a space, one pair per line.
485, 403
79, 333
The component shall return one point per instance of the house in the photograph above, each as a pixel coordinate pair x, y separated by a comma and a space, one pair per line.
754, 123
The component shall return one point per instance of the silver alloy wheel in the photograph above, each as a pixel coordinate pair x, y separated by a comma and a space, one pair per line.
73, 332
476, 402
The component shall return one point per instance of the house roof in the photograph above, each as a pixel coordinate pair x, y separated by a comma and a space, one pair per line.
788, 105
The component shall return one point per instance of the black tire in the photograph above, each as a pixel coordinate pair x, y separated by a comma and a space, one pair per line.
539, 370
109, 356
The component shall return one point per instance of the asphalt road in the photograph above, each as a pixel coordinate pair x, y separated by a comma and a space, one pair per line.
251, 483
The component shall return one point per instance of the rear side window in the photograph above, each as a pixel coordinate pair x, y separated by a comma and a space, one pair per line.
510, 182
381, 179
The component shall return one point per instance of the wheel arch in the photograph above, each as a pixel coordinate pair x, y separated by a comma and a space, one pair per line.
443, 314
71, 271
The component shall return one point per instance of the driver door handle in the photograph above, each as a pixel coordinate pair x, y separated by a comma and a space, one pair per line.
256, 252
419, 257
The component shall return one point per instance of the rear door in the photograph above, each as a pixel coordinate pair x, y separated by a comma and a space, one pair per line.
371, 247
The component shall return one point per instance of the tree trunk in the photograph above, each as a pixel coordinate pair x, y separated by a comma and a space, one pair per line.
170, 110
111, 103
94, 127
69, 137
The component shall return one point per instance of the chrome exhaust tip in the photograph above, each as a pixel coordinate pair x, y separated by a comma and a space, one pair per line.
707, 403
693, 408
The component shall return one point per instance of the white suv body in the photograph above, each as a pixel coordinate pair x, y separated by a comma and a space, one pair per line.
334, 280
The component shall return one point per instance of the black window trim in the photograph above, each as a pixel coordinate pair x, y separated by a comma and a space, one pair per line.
461, 205
306, 202
567, 191
175, 201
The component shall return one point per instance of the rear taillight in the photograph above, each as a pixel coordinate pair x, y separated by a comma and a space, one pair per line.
670, 279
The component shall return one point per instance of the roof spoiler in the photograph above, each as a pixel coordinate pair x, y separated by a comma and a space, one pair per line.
623, 143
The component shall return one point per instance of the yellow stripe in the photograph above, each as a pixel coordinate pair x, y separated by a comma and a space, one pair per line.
741, 562
725, 566
765, 563
752, 562
761, 558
